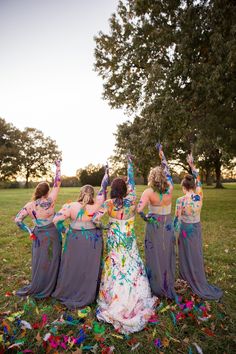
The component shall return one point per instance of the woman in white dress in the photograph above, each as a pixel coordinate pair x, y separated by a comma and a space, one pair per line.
125, 298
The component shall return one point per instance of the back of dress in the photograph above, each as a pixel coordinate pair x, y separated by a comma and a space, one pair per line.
124, 296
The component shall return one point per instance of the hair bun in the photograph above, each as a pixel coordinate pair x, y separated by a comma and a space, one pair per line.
189, 178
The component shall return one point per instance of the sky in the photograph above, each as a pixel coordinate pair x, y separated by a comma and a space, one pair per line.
47, 77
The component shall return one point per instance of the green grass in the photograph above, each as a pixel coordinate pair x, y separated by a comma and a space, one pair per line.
217, 335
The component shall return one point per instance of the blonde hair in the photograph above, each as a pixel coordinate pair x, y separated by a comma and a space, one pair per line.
41, 190
86, 195
157, 180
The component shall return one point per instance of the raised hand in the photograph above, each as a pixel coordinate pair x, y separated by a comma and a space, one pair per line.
164, 164
58, 163
190, 160
107, 169
159, 146
129, 156
57, 179
159, 149
105, 182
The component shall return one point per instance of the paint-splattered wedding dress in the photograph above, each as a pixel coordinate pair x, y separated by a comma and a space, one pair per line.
125, 298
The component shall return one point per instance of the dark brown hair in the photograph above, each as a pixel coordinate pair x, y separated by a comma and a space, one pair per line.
41, 190
86, 195
188, 182
118, 188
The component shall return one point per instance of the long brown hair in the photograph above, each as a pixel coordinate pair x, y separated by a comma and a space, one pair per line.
41, 190
86, 195
157, 180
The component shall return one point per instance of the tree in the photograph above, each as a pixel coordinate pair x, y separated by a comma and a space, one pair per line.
9, 150
91, 174
37, 153
133, 137
69, 181
174, 62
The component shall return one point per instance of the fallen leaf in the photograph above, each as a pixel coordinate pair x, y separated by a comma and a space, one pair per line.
38, 337
165, 342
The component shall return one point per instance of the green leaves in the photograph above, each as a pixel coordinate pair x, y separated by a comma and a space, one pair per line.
28, 152
174, 63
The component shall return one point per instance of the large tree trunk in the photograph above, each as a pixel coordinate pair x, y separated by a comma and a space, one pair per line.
217, 164
27, 180
145, 180
208, 177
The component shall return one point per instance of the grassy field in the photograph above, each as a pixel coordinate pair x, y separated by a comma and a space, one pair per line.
189, 332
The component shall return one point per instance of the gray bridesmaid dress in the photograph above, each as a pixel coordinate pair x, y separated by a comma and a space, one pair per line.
191, 265
160, 255
46, 254
80, 269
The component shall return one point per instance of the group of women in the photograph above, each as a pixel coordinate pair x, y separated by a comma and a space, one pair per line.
125, 289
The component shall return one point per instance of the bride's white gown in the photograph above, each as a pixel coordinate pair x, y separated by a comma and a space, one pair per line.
125, 298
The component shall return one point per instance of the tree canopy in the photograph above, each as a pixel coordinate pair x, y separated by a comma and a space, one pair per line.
9, 150
91, 174
29, 152
172, 65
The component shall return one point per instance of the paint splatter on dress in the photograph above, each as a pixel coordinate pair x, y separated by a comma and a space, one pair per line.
125, 296
187, 224
46, 244
159, 238
80, 269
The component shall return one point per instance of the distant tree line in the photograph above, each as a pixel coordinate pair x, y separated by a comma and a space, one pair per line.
27, 153
30, 154
172, 66
90, 174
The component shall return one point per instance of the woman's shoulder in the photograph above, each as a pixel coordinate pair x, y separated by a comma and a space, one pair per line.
180, 199
148, 191
29, 205
69, 205
74, 205
109, 201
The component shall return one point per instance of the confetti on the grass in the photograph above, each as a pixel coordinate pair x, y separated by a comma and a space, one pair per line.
25, 324
78, 332
47, 336
84, 312
8, 293
135, 346
199, 349
153, 319
157, 343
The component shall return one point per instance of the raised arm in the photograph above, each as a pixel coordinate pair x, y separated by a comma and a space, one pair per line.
102, 193
178, 212
23, 213
99, 214
165, 166
144, 200
57, 181
61, 216
196, 176
130, 179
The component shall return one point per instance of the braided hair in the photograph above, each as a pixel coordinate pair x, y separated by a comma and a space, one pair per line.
86, 195
157, 180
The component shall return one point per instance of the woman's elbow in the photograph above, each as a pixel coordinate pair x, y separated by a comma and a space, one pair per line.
17, 221
139, 209
55, 220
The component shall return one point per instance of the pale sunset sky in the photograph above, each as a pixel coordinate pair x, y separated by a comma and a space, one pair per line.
47, 79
